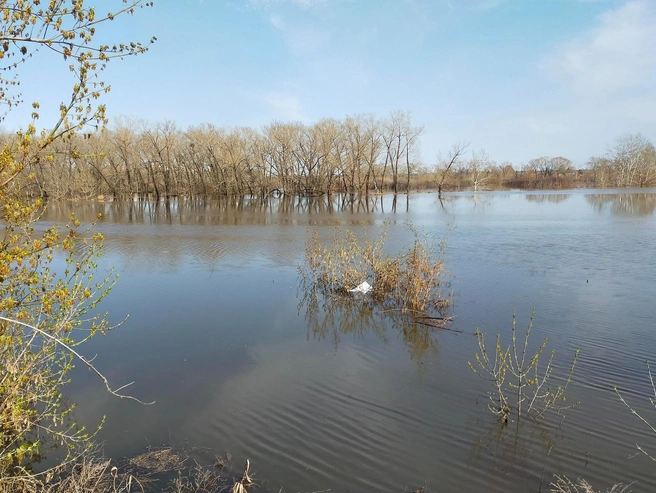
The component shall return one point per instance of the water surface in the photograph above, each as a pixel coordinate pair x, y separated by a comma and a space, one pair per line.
219, 337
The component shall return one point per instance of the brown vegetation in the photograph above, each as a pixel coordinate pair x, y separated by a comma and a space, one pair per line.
156, 470
565, 485
358, 155
631, 162
408, 281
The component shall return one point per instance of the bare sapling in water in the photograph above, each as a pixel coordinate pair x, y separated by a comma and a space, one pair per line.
520, 387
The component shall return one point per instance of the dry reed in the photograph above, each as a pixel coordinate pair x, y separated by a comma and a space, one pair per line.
565, 485
409, 281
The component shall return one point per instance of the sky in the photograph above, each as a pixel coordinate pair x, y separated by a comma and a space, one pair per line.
516, 78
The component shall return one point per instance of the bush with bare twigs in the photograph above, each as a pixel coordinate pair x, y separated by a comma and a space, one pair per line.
518, 381
409, 281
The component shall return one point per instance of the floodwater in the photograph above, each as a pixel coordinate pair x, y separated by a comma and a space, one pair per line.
218, 335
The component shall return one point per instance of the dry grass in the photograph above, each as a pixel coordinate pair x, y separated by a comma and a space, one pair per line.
241, 486
90, 475
199, 480
565, 485
157, 469
407, 281
157, 461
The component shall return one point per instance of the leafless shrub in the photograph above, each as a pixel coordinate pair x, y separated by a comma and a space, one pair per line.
516, 377
147, 472
408, 281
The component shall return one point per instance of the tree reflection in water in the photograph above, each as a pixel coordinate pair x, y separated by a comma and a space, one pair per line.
518, 447
330, 317
624, 204
551, 198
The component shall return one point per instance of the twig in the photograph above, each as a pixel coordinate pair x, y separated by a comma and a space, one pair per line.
81, 358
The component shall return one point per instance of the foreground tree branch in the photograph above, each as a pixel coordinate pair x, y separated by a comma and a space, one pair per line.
39, 308
88, 362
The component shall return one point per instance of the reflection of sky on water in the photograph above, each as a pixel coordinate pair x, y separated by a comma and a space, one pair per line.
216, 336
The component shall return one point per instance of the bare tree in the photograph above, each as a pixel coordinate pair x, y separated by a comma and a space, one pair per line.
541, 165
561, 165
479, 166
411, 135
444, 166
634, 162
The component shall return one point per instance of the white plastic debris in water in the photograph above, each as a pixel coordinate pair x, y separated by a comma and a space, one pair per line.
363, 288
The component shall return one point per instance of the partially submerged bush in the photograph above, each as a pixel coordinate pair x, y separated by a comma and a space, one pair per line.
520, 386
411, 280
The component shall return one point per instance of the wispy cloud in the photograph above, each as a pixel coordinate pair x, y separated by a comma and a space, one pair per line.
308, 3
471, 5
617, 54
277, 21
303, 4
482, 5
288, 107
301, 36
285, 106
301, 39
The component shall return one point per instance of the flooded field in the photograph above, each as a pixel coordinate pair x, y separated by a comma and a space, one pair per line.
219, 336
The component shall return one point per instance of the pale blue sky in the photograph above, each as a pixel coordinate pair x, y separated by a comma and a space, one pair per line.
518, 78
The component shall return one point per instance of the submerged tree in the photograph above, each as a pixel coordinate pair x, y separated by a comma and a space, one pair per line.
47, 286
446, 164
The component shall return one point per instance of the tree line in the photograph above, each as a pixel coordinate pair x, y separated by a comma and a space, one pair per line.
358, 155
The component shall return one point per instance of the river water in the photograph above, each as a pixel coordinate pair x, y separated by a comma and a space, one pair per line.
219, 337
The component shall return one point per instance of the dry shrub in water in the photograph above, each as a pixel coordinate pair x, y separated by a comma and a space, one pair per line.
409, 281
